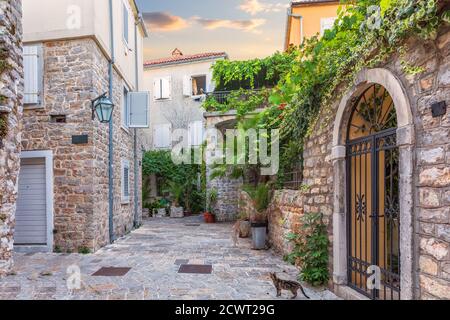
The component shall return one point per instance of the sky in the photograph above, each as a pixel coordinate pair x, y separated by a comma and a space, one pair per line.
244, 29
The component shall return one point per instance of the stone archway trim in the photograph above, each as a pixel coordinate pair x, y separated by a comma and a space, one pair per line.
393, 85
405, 141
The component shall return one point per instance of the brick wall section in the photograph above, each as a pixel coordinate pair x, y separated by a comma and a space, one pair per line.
75, 72
431, 173
11, 82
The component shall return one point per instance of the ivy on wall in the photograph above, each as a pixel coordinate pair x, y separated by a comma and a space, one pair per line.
318, 73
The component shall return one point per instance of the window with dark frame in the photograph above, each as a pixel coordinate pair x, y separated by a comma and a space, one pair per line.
198, 85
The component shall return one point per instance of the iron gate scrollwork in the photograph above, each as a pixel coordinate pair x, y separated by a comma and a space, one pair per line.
373, 221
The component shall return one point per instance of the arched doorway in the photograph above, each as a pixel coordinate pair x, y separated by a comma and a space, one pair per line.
405, 143
372, 183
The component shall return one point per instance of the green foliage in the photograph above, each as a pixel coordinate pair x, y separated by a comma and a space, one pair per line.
3, 125
177, 191
260, 196
180, 180
311, 249
84, 250
446, 16
250, 74
243, 101
318, 73
212, 199
342, 52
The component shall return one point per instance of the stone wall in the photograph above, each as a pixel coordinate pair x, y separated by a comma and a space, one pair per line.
75, 72
11, 83
431, 180
228, 190
285, 213
432, 163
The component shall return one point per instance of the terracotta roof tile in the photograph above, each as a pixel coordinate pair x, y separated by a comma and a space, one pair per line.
185, 58
299, 2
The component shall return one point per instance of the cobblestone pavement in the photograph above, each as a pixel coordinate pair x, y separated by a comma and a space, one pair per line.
154, 253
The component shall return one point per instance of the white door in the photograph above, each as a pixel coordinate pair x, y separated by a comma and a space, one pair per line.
31, 216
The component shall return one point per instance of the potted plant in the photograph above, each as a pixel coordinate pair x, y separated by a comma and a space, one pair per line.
260, 196
245, 226
176, 190
209, 215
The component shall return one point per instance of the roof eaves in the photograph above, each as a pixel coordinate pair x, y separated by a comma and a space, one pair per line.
184, 61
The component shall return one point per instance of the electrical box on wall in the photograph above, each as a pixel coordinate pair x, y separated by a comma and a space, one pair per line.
438, 109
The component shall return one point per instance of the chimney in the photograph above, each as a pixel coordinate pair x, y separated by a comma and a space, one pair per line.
177, 53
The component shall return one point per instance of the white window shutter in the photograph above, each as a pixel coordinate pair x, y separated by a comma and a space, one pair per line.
166, 88
162, 136
32, 74
196, 133
187, 86
139, 109
157, 89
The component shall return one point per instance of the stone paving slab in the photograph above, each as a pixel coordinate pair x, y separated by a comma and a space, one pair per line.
154, 253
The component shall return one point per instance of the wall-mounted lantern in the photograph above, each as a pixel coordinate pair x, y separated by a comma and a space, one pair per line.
103, 107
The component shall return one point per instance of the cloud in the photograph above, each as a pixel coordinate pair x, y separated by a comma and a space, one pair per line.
245, 25
163, 21
254, 7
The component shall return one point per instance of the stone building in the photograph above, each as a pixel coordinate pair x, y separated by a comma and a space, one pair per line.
11, 81
178, 84
383, 185
65, 188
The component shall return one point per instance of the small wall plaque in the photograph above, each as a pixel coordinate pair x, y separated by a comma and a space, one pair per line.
83, 139
438, 109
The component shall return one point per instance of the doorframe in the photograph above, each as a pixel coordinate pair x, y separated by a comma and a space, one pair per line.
406, 145
48, 156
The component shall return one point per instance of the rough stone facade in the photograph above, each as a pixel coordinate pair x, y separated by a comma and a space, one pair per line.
431, 174
11, 82
76, 72
227, 189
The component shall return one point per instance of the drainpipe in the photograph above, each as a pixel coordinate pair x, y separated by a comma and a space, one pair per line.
136, 164
296, 16
111, 128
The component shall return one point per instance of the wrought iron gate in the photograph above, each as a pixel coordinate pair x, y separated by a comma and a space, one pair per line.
373, 230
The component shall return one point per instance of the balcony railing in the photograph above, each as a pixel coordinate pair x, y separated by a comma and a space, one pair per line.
293, 180
222, 96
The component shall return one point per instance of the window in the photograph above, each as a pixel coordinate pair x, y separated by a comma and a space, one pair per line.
139, 108
125, 23
33, 75
326, 24
125, 109
198, 85
58, 118
162, 88
196, 133
162, 136
125, 181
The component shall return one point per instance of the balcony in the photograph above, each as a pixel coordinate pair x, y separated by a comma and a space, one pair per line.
223, 101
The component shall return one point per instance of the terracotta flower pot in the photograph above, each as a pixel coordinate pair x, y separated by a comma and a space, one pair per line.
209, 217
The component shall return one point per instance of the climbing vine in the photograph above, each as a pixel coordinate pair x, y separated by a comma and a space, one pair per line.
311, 249
317, 73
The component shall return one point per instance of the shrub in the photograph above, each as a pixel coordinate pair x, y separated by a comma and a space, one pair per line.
311, 249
